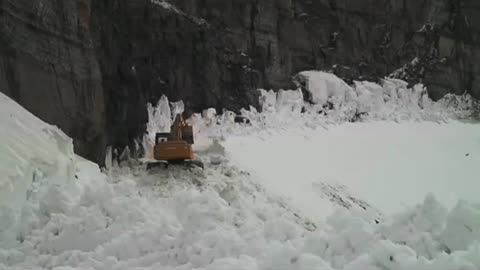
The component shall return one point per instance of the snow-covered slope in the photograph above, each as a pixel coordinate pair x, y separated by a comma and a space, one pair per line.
35, 158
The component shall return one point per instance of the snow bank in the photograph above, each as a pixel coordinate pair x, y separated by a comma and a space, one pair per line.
35, 160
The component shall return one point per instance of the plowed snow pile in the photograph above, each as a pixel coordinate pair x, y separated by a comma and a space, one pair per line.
62, 212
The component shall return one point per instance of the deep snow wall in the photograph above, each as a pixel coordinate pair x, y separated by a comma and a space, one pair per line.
91, 67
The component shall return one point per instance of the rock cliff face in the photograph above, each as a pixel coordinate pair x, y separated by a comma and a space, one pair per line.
91, 66
48, 65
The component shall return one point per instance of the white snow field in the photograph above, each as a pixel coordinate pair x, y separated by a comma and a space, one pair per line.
289, 191
388, 165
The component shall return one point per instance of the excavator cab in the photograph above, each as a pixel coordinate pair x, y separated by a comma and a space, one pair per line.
175, 147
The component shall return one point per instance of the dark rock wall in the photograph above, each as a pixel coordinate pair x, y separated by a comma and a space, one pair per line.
357, 39
146, 50
91, 66
48, 64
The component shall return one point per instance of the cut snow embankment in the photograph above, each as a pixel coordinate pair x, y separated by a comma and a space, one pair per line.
35, 159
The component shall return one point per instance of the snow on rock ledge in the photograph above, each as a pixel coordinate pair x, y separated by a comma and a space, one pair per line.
168, 6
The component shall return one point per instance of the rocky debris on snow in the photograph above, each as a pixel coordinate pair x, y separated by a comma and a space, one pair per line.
339, 195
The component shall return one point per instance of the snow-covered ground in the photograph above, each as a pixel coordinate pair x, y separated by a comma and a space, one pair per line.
388, 165
293, 191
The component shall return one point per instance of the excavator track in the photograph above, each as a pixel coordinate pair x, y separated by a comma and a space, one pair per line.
164, 164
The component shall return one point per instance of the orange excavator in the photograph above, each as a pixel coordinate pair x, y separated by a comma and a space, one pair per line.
175, 147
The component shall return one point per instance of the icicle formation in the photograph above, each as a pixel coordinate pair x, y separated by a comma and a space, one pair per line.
282, 101
267, 100
210, 116
177, 108
159, 120
159, 117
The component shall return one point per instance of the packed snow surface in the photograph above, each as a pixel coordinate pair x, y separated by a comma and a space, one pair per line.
255, 206
389, 165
